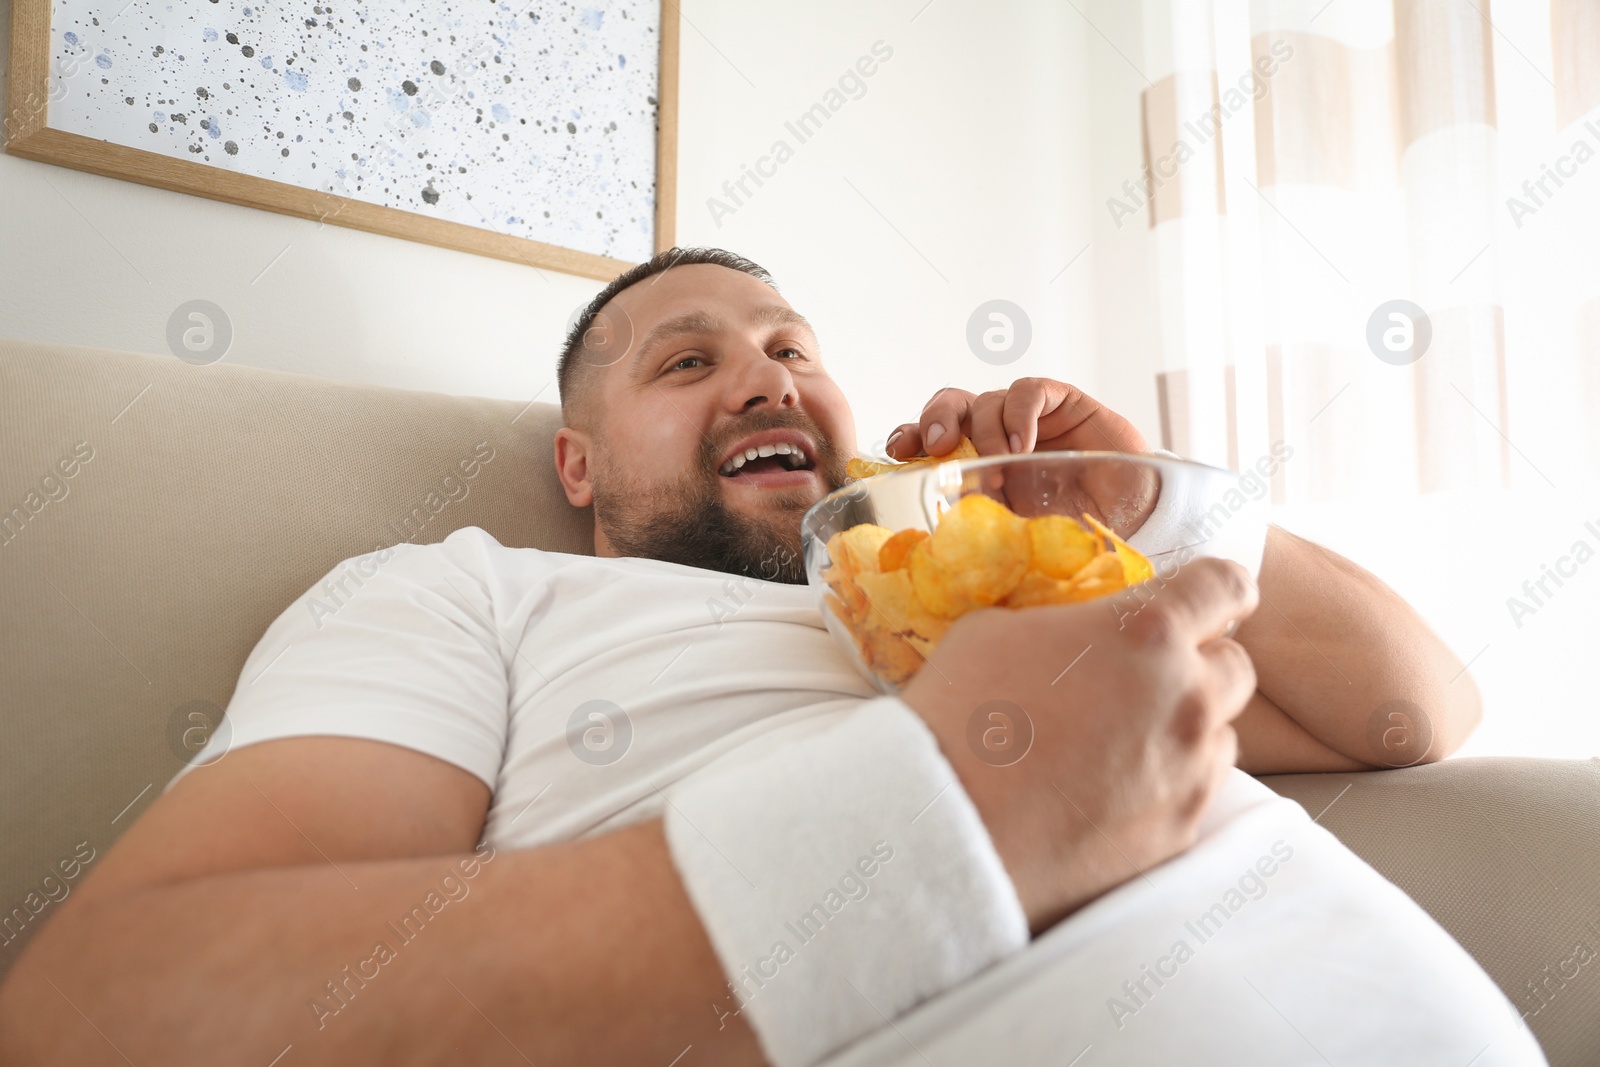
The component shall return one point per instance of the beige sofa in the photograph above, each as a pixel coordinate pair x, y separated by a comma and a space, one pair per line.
155, 516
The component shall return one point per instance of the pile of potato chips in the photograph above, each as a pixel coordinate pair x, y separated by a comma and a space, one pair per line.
899, 592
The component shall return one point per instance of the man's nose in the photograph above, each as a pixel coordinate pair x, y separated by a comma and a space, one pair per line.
763, 382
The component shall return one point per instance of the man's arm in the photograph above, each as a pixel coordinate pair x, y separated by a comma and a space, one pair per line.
1349, 676
211, 931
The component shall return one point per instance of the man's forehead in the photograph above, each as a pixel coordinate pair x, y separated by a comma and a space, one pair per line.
701, 319
694, 287
699, 298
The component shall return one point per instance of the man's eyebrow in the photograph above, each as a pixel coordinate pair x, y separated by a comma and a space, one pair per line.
779, 315
689, 323
702, 322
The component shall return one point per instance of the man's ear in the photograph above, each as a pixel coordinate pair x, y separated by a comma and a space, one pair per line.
572, 466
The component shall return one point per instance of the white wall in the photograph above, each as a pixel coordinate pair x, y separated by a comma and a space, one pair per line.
964, 173
959, 177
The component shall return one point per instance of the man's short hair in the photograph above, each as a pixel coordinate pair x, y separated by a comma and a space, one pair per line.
569, 370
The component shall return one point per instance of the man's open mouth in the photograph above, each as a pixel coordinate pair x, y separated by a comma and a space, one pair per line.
764, 455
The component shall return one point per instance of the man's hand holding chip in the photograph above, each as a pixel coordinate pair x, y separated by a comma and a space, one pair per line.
1033, 415
1042, 415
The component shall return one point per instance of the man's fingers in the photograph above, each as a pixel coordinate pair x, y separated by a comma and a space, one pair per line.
1226, 757
905, 441
1009, 420
942, 420
1092, 427
987, 427
1196, 604
1030, 414
1025, 402
1231, 677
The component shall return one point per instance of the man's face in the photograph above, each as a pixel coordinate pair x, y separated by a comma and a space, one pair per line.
691, 371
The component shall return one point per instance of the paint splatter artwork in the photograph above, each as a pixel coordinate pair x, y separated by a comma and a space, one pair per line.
537, 121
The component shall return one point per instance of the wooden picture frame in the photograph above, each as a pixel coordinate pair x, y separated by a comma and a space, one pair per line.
28, 135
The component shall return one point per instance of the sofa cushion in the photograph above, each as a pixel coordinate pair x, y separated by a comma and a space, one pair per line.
156, 516
1505, 854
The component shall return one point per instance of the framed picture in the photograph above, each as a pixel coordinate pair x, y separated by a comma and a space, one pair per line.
545, 135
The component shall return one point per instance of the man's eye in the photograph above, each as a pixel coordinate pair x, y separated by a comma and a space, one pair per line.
687, 363
797, 354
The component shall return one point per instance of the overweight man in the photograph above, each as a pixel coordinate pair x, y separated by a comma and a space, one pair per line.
508, 806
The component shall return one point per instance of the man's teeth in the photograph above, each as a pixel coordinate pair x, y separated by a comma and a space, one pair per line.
796, 461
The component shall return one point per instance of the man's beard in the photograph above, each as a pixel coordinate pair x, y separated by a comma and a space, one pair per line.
689, 522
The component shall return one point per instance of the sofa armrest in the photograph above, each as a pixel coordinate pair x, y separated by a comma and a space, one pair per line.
1505, 854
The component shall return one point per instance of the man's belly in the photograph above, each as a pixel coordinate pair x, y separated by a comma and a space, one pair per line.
1267, 942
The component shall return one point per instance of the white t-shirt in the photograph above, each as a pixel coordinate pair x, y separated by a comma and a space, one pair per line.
481, 655
586, 692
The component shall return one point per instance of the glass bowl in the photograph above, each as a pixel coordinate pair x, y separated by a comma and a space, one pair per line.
1170, 510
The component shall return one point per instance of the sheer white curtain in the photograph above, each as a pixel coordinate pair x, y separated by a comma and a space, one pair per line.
1330, 184
1310, 164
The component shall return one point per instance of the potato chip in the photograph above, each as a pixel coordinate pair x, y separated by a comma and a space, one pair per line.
1102, 575
965, 449
1106, 567
933, 583
853, 552
893, 595
889, 654
981, 533
976, 555
1062, 546
852, 600
851, 624
858, 468
1135, 567
892, 556
856, 549
1037, 588
837, 606
1090, 590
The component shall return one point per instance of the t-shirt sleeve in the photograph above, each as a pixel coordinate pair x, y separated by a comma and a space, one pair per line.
1174, 515
398, 645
